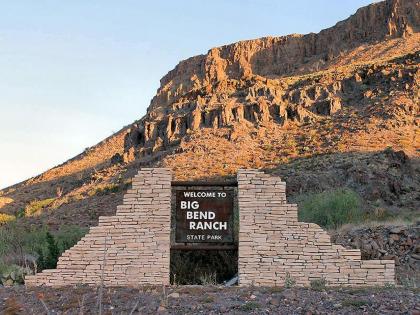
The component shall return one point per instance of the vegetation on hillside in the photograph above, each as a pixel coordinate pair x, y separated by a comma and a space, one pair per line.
331, 209
28, 250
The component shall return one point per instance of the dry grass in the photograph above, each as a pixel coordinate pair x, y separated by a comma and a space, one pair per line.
372, 224
36, 207
4, 218
4, 201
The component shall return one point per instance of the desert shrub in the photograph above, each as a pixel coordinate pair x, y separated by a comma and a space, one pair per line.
250, 306
36, 248
318, 284
50, 260
68, 235
289, 281
20, 213
13, 274
35, 207
389, 285
19, 245
4, 218
4, 201
208, 279
409, 282
107, 189
378, 214
207, 299
268, 147
331, 209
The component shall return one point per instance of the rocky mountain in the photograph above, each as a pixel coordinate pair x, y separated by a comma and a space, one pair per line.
261, 80
334, 109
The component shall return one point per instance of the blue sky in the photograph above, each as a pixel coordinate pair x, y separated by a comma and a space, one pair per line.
74, 72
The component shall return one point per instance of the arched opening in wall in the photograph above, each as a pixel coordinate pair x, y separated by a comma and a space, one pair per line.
204, 233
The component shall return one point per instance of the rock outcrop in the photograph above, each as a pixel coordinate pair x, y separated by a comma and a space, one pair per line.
256, 100
399, 243
288, 55
247, 81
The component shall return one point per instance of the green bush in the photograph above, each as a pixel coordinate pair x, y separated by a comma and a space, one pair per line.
50, 262
331, 209
35, 207
37, 248
289, 281
20, 213
13, 274
318, 284
68, 235
17, 242
250, 306
208, 279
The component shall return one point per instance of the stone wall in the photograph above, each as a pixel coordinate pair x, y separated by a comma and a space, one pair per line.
130, 248
274, 246
133, 247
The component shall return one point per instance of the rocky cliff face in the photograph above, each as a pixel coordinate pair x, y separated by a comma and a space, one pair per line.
250, 81
288, 55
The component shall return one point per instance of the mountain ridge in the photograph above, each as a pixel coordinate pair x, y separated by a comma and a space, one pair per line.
367, 24
350, 89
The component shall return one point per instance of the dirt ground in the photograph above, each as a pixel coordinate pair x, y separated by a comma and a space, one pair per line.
208, 300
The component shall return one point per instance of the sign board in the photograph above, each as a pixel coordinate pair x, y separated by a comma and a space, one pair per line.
204, 216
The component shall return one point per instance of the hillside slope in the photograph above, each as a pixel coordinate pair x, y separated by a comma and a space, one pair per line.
320, 109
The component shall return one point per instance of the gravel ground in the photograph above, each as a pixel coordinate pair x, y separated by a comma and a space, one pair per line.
208, 300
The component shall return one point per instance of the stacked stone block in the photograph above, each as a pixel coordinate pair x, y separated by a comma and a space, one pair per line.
133, 247
274, 246
130, 248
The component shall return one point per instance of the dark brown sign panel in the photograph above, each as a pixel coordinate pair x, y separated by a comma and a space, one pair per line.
204, 216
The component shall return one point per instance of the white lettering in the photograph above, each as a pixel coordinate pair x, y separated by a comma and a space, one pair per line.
195, 237
214, 237
190, 205
199, 215
208, 225
222, 226
199, 194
